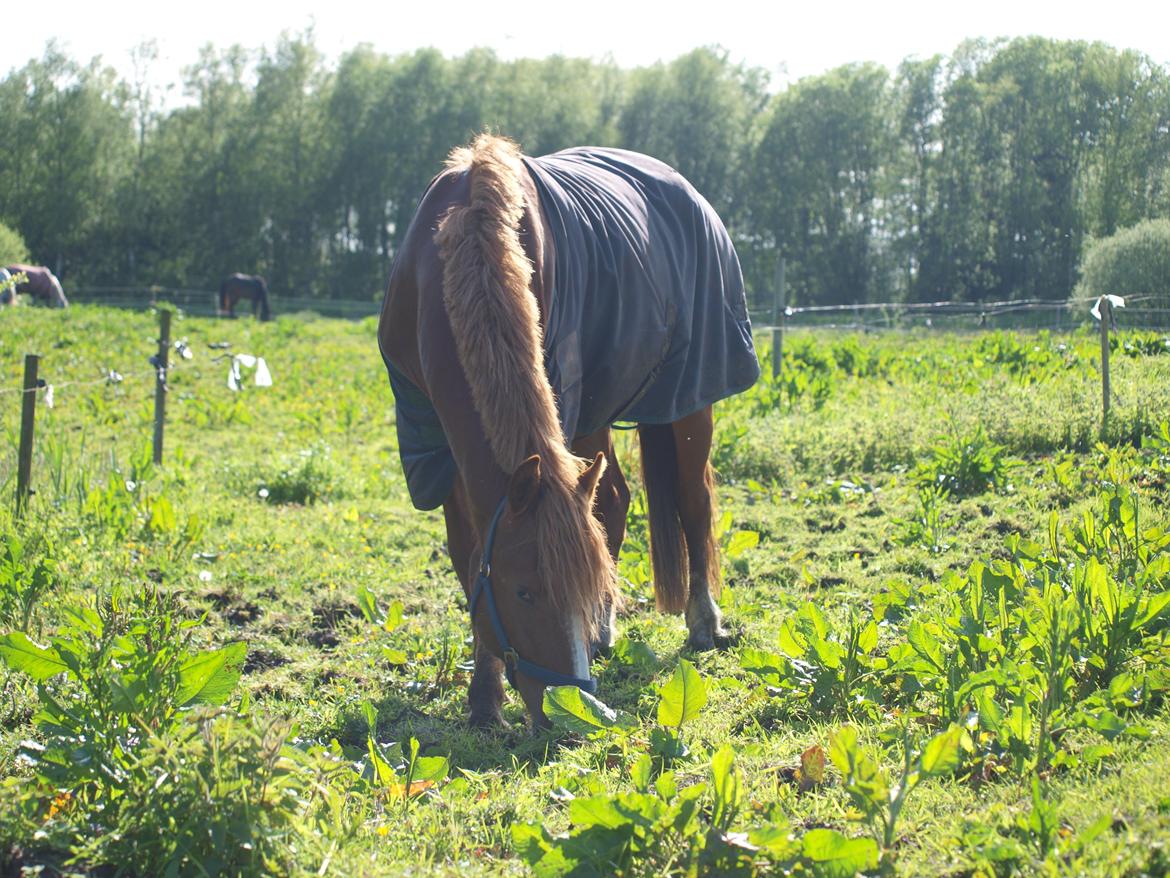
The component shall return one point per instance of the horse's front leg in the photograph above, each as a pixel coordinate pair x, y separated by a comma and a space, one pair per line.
485, 695
611, 507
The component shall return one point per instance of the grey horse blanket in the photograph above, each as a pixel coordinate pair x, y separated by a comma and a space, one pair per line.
647, 319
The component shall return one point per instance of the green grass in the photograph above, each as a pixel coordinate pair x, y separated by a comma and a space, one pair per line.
277, 508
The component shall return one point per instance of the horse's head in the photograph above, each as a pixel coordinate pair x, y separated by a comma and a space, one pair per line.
546, 576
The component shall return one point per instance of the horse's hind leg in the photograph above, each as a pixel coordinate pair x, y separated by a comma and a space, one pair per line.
696, 510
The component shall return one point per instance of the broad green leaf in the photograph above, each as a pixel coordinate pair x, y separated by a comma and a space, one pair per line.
162, 516
368, 604
812, 613
771, 668
792, 642
990, 715
829, 653
1019, 722
530, 841
776, 840
210, 677
725, 783
723, 524
575, 710
395, 656
635, 653
868, 639
864, 781
371, 716
741, 541
683, 696
429, 769
843, 747
641, 771
596, 811
1154, 607
1095, 753
393, 616
666, 786
21, 654
1108, 723
833, 855
384, 773
925, 644
943, 753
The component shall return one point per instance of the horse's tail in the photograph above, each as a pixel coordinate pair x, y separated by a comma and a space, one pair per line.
223, 290
668, 543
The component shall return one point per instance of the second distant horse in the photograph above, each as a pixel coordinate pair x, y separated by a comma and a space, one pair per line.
251, 288
42, 285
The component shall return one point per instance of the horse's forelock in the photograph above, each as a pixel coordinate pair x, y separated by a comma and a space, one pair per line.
573, 555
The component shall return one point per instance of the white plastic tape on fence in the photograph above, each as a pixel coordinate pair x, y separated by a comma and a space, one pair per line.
1114, 302
262, 378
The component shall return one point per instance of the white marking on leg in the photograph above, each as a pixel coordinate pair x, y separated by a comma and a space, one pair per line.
607, 635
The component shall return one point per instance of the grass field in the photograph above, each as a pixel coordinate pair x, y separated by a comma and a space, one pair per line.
952, 607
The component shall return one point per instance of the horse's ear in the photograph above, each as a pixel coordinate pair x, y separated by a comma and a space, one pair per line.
587, 481
524, 486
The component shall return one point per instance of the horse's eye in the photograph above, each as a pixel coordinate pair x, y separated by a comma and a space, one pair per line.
525, 595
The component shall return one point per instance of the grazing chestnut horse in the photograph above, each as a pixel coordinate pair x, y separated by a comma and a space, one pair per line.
42, 285
253, 288
534, 302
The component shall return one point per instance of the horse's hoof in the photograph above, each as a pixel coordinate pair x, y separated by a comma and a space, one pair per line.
701, 641
725, 639
489, 721
706, 641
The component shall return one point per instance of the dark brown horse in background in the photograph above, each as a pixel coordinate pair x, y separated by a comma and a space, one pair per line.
535, 522
247, 287
41, 284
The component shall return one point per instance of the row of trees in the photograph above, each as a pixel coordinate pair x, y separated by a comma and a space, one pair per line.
978, 175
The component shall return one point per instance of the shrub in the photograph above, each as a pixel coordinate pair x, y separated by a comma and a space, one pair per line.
25, 576
12, 246
964, 465
1134, 261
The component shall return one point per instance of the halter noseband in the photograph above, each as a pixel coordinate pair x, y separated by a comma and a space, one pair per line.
512, 660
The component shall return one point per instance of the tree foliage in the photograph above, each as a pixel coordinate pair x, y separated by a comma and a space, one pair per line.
974, 176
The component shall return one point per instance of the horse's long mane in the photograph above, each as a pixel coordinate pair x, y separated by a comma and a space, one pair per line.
496, 324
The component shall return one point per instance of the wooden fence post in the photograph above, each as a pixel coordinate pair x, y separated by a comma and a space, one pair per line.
160, 381
1106, 309
779, 307
28, 414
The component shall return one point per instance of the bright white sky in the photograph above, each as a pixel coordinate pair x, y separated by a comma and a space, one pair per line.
788, 39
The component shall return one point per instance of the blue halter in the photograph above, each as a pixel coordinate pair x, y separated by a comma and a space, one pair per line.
512, 660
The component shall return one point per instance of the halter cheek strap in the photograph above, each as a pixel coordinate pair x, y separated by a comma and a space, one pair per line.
512, 660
